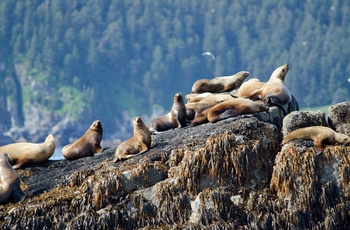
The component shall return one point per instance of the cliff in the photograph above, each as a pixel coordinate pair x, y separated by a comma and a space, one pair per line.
228, 175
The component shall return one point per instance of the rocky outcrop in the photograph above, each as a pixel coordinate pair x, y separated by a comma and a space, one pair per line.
228, 175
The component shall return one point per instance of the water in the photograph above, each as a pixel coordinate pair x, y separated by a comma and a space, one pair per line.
57, 155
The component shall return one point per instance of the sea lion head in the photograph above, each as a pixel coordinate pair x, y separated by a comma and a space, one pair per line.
178, 98
50, 140
280, 72
138, 121
96, 126
244, 74
343, 139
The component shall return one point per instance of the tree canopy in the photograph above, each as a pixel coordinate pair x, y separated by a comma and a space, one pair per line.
114, 55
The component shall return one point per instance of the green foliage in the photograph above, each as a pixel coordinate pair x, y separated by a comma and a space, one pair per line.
130, 55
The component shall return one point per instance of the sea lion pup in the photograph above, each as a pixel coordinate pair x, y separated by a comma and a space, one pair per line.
220, 84
249, 88
87, 145
139, 143
319, 134
10, 190
176, 117
23, 153
235, 107
196, 97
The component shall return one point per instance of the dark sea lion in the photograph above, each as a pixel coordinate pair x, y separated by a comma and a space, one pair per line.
176, 118
87, 145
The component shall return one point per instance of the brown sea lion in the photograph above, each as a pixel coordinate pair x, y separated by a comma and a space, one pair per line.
220, 84
194, 109
87, 145
10, 190
140, 142
249, 88
273, 92
320, 135
196, 97
176, 117
200, 117
235, 107
23, 154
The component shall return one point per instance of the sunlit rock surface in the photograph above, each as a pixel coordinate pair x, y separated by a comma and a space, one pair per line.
228, 175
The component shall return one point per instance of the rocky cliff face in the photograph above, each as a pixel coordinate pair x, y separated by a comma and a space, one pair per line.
229, 175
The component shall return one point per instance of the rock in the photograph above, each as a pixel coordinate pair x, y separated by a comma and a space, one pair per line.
339, 117
228, 175
316, 187
296, 120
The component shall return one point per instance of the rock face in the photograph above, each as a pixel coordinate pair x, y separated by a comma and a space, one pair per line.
228, 175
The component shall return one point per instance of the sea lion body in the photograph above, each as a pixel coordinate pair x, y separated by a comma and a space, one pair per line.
10, 190
196, 97
319, 134
23, 154
194, 109
87, 145
176, 118
235, 107
200, 117
220, 84
249, 88
140, 142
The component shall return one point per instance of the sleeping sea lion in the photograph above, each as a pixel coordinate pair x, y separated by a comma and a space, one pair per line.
235, 107
220, 84
320, 135
23, 153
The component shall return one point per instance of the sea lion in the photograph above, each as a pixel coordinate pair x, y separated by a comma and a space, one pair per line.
235, 107
87, 145
320, 135
249, 88
220, 84
139, 143
23, 154
273, 92
200, 117
176, 117
196, 97
194, 109
10, 190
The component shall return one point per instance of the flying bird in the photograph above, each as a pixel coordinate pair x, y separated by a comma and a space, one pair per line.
209, 54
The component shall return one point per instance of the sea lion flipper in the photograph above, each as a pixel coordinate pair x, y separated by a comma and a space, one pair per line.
318, 151
17, 166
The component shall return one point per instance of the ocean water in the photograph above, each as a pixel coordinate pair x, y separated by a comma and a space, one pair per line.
57, 155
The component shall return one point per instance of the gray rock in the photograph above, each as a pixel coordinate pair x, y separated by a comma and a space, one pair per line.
296, 120
339, 117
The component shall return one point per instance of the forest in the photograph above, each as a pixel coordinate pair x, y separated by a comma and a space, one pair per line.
89, 59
